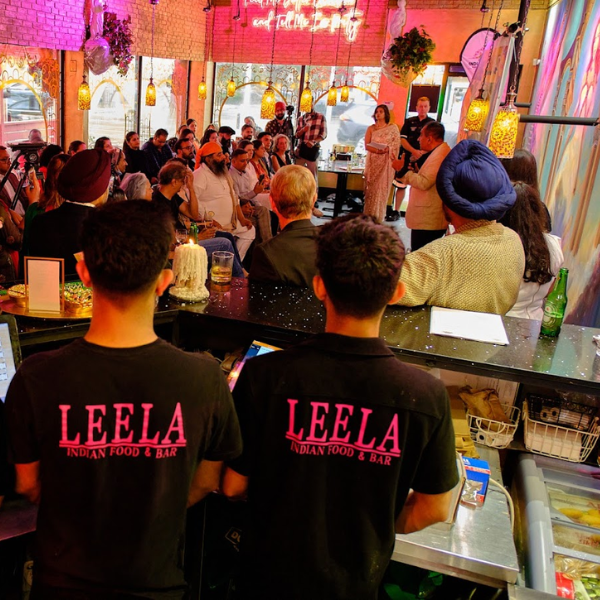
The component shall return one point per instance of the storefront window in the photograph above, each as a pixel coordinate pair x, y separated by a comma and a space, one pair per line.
114, 101
164, 114
251, 81
29, 92
347, 122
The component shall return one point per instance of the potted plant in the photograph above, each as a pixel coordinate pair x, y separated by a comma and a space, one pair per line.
408, 56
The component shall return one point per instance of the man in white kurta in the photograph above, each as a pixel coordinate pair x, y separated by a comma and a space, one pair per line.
215, 193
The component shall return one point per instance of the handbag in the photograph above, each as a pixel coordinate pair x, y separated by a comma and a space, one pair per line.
307, 152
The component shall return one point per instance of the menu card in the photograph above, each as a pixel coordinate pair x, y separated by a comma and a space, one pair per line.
481, 327
43, 278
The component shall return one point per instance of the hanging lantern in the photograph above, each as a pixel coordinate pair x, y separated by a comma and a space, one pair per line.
345, 93
84, 97
231, 87
202, 90
503, 137
151, 94
332, 96
477, 113
267, 104
306, 99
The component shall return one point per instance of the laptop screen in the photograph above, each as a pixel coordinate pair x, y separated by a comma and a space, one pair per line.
10, 352
255, 349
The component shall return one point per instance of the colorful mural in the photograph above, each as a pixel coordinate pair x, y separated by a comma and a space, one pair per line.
569, 156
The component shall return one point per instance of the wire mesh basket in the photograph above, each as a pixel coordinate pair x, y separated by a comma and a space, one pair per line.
494, 433
561, 411
558, 441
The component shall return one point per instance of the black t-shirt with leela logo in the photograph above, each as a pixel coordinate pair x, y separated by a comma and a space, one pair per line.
336, 431
119, 433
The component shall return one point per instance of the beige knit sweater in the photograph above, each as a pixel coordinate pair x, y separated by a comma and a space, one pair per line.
478, 268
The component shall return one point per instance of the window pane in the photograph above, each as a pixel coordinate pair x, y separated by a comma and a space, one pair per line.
164, 114
251, 80
347, 122
114, 100
29, 90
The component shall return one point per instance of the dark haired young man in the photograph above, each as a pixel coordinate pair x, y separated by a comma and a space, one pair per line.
157, 154
337, 432
115, 434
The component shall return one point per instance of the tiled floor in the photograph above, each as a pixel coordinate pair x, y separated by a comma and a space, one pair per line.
399, 226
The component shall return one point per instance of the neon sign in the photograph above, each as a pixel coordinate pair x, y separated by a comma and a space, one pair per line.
323, 16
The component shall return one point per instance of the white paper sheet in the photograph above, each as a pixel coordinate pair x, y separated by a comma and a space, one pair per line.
44, 284
481, 327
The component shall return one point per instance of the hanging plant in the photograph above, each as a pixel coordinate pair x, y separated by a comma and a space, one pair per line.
408, 56
119, 37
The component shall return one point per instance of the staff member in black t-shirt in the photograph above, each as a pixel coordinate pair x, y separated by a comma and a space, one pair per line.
115, 434
410, 149
343, 443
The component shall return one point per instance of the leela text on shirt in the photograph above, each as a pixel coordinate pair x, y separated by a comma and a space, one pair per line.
124, 439
337, 436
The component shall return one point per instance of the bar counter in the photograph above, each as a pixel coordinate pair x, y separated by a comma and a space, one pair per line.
285, 315
480, 546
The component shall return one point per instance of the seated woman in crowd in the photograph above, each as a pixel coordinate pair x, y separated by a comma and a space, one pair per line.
281, 155
49, 198
118, 166
103, 143
76, 146
136, 159
136, 187
523, 167
248, 146
543, 254
257, 161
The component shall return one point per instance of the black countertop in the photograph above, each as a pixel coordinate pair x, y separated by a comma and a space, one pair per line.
280, 314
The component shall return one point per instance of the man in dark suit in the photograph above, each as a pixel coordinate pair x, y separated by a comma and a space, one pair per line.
83, 183
289, 258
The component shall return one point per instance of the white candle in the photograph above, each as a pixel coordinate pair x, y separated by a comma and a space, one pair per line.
190, 267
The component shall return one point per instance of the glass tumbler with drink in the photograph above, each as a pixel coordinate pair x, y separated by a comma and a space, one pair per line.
222, 266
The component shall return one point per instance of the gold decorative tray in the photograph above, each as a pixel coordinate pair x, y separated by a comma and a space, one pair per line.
65, 314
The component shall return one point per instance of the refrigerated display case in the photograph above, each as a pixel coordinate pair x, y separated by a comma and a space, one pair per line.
558, 526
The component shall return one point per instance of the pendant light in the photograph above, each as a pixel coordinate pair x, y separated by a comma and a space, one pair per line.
479, 108
151, 89
345, 91
231, 85
84, 97
332, 93
477, 113
267, 104
503, 137
306, 99
332, 96
202, 87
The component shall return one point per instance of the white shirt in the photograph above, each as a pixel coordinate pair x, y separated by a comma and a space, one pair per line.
214, 195
531, 294
244, 182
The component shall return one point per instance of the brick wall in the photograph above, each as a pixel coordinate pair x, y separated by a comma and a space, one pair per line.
60, 24
458, 21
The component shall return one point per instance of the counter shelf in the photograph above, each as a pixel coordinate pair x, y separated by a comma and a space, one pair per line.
480, 545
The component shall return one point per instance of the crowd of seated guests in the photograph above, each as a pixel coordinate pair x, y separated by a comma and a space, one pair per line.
500, 258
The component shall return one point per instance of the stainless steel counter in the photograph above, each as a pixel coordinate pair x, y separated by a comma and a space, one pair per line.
480, 545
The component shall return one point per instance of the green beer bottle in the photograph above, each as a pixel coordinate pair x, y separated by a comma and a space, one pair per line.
194, 232
555, 306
